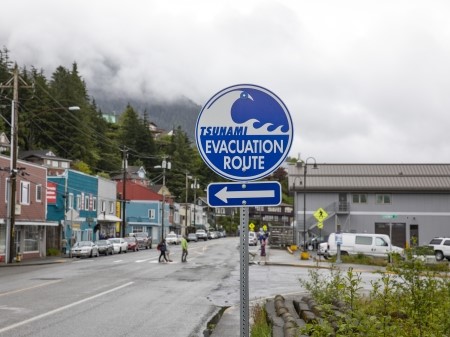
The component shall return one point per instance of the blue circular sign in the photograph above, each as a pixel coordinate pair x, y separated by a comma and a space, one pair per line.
244, 132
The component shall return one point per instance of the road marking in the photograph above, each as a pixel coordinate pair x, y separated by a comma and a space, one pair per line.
30, 288
139, 261
35, 318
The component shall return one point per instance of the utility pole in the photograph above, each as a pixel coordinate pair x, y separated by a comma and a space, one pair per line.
124, 188
10, 241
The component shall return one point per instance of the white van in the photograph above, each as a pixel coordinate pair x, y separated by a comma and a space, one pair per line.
353, 243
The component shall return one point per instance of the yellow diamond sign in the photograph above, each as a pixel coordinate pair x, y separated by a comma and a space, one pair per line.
321, 215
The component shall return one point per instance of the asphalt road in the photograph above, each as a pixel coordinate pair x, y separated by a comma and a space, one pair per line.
132, 294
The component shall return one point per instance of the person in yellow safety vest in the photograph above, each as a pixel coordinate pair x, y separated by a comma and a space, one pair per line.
184, 247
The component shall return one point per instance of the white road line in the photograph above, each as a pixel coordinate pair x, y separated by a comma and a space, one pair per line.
35, 318
25, 289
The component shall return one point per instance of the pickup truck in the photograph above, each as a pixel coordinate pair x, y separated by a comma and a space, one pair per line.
173, 239
441, 247
143, 239
201, 234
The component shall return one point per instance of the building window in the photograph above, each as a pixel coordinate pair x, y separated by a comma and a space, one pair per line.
24, 193
94, 203
86, 202
64, 164
70, 202
54, 163
38, 193
78, 202
274, 209
151, 214
7, 190
111, 207
383, 198
360, 198
103, 206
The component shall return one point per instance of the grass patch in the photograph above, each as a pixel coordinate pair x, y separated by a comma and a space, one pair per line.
361, 259
260, 327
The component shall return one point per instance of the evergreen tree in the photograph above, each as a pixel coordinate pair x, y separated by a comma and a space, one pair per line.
182, 159
74, 133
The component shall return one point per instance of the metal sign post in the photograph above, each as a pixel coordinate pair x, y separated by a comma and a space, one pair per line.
245, 312
244, 133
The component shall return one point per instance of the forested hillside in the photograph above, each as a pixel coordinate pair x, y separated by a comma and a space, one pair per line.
57, 112
166, 115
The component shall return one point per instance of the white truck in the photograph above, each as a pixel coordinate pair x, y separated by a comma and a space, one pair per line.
377, 245
201, 234
441, 247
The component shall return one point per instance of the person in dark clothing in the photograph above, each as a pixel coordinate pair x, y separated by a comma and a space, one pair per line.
162, 247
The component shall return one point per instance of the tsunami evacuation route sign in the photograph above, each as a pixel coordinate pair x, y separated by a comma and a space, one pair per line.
244, 132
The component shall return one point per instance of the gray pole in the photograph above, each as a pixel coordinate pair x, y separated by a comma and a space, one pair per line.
13, 168
124, 190
244, 273
304, 207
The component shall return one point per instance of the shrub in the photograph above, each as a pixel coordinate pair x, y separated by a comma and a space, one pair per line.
260, 327
53, 252
413, 301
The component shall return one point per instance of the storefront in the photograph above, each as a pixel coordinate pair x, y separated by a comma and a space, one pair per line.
30, 239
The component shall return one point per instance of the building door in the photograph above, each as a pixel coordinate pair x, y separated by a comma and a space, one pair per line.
398, 231
413, 235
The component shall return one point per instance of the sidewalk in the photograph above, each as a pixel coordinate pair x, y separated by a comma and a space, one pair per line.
36, 261
229, 324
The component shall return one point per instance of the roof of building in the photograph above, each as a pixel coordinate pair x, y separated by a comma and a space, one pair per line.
371, 177
43, 154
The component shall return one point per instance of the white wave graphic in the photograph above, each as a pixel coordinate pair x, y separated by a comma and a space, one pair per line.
263, 130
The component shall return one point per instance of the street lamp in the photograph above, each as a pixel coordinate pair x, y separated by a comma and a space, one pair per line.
195, 186
186, 201
295, 222
164, 165
305, 169
163, 213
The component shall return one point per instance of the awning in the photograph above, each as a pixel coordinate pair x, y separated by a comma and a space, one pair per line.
140, 223
108, 218
35, 223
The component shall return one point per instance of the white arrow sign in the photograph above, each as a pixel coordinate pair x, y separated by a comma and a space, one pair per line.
224, 194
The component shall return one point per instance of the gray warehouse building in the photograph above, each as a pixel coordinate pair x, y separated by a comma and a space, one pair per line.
410, 202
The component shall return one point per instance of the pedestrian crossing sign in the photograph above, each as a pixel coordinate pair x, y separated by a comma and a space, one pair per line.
321, 215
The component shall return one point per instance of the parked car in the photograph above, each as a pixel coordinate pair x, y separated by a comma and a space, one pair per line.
192, 237
105, 247
441, 247
378, 245
252, 239
132, 243
120, 245
144, 240
84, 249
172, 239
201, 234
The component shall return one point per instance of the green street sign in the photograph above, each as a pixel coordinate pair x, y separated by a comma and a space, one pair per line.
390, 216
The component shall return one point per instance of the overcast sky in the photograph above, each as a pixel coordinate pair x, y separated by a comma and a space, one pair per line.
364, 81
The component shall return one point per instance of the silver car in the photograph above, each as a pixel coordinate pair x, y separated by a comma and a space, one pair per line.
84, 249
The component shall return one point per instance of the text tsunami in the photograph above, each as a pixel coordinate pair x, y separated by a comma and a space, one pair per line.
250, 148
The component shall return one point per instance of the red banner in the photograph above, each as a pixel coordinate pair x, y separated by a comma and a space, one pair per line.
51, 193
